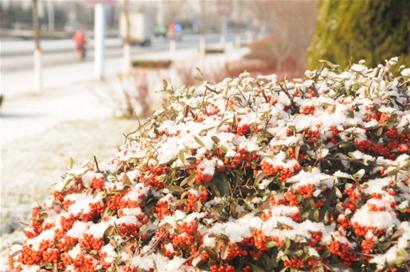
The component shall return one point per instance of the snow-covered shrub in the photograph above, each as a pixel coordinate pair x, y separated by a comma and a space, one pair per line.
245, 175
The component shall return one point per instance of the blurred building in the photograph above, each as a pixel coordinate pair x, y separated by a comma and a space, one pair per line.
193, 15
55, 15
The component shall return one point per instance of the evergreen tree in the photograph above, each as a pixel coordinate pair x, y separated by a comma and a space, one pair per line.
350, 30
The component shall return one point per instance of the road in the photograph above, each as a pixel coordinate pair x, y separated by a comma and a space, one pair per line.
61, 68
16, 55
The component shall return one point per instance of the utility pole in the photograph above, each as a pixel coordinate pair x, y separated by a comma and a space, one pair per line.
249, 37
202, 44
99, 40
237, 32
238, 39
172, 44
126, 38
224, 10
37, 49
50, 15
224, 31
202, 35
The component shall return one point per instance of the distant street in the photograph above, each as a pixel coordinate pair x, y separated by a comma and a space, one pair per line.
71, 93
61, 67
16, 55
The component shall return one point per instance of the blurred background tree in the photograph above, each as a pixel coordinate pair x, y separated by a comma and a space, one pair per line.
289, 29
349, 30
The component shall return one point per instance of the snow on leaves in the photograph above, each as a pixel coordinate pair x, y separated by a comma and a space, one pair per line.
244, 175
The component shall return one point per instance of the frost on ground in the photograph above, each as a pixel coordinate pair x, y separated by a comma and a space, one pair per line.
249, 174
31, 166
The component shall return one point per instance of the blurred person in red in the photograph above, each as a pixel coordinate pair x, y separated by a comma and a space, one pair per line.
80, 42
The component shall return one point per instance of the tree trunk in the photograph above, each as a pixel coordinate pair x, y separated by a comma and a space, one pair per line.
126, 39
37, 49
99, 39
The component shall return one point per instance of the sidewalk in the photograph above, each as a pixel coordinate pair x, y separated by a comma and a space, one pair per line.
28, 115
21, 82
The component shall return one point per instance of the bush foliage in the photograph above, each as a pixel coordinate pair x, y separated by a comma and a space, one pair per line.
250, 174
349, 30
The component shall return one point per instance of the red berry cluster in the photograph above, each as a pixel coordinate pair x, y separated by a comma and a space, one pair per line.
308, 110
242, 158
283, 173
222, 268
343, 251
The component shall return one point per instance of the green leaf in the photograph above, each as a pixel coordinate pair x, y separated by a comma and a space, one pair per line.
175, 189
109, 231
338, 192
256, 268
297, 151
42, 215
305, 214
359, 174
70, 163
191, 160
329, 64
223, 122
326, 217
199, 141
165, 84
325, 254
201, 76
270, 244
316, 215
259, 177
225, 252
222, 184
68, 181
181, 156
224, 149
126, 180
215, 139
185, 181
287, 243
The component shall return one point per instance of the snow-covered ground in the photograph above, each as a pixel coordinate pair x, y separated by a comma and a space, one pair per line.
31, 165
27, 115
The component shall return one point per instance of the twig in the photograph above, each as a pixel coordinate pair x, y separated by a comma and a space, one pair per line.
96, 164
154, 244
315, 90
263, 92
23, 223
293, 105
126, 135
210, 89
